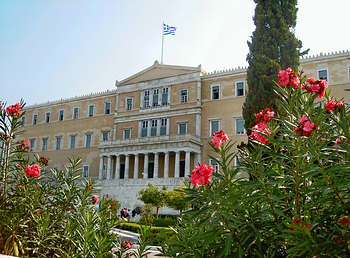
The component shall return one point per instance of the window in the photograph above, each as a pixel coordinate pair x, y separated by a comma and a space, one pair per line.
107, 108
47, 117
182, 128
105, 136
60, 115
88, 140
214, 164
165, 92
240, 89
154, 128
240, 126
155, 97
214, 126
75, 113
215, 92
91, 110
163, 126
44, 147
144, 128
322, 74
184, 96
127, 133
72, 141
35, 119
23, 121
85, 171
146, 99
129, 104
32, 144
58, 142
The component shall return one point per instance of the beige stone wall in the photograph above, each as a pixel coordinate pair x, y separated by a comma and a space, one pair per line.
80, 127
133, 125
135, 95
190, 120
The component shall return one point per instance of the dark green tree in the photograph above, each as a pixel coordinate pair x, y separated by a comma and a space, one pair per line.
273, 47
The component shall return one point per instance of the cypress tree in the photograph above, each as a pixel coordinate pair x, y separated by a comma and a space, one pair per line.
273, 47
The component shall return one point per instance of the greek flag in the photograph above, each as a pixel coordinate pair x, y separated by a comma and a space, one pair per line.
167, 30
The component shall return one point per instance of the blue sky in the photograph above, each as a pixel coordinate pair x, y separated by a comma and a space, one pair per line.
63, 48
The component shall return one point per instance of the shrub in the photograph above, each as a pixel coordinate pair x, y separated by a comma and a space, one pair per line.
47, 213
295, 198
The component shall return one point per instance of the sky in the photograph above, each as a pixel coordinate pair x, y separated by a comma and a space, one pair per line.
63, 48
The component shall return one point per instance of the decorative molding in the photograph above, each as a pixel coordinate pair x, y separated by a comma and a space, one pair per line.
72, 99
157, 115
158, 83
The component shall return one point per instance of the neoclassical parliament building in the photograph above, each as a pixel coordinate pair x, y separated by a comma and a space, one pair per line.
155, 125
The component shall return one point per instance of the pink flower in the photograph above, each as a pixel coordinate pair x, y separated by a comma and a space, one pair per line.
219, 138
316, 86
33, 171
258, 137
264, 115
294, 81
305, 127
303, 119
201, 175
95, 199
330, 106
14, 110
340, 104
216, 141
345, 221
260, 128
283, 78
126, 244
288, 78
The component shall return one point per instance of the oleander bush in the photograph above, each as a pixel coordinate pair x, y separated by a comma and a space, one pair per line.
289, 194
49, 213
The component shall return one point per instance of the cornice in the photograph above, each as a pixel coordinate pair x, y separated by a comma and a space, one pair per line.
72, 99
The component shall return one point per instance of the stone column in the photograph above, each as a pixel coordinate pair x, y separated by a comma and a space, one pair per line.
166, 165
139, 130
126, 174
198, 92
167, 126
136, 166
197, 158
117, 169
114, 132
116, 103
100, 171
156, 159
109, 162
159, 122
149, 127
198, 125
145, 166
187, 163
177, 164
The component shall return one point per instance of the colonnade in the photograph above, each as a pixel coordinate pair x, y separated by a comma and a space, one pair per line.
114, 168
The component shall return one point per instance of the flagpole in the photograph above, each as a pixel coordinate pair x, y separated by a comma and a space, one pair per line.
161, 59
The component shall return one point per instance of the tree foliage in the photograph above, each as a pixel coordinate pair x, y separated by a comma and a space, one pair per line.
273, 46
295, 200
152, 195
178, 199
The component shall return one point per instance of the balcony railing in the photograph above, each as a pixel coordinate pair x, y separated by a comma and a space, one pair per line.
153, 139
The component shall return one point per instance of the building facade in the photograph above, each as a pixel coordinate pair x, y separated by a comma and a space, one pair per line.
154, 127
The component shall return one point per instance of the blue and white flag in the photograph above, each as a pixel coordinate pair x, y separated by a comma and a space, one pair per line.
167, 30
